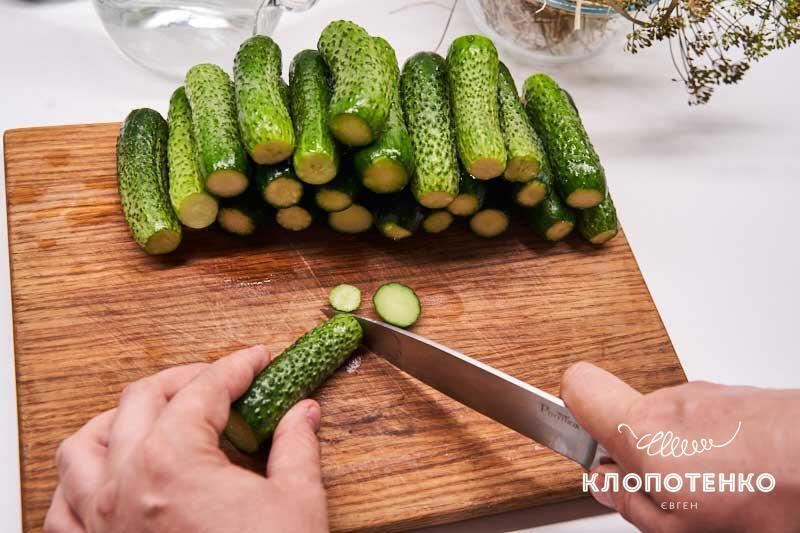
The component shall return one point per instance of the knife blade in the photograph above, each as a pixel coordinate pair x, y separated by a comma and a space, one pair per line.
518, 405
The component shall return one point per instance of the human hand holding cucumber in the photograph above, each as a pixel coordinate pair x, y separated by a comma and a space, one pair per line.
154, 462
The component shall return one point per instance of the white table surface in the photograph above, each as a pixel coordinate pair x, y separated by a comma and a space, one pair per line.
707, 195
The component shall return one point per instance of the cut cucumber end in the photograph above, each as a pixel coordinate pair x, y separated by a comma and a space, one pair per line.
234, 221
163, 242
315, 169
345, 298
584, 198
226, 183
354, 219
198, 210
522, 169
283, 192
437, 222
489, 223
395, 232
463, 205
294, 218
435, 200
603, 237
559, 230
240, 434
351, 130
271, 152
332, 200
397, 304
532, 194
385, 176
486, 169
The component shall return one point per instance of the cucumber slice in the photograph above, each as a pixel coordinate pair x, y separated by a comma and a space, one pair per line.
354, 219
345, 298
437, 221
397, 304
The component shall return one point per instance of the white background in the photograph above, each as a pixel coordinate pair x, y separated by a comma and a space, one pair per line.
707, 195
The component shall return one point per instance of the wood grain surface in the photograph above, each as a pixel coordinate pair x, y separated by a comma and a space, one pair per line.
92, 313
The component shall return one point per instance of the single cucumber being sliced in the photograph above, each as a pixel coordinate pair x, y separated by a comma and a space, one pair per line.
222, 159
577, 173
278, 185
354, 219
345, 298
316, 159
142, 181
598, 224
471, 193
264, 121
472, 73
292, 376
397, 304
194, 207
437, 221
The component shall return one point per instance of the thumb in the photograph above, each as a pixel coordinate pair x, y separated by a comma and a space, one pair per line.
600, 402
294, 457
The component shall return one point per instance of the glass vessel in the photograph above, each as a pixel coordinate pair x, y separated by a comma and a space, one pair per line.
169, 36
547, 31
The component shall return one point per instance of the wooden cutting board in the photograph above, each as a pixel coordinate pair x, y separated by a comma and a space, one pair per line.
92, 313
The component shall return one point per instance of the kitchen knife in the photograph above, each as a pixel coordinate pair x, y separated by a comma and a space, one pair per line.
522, 407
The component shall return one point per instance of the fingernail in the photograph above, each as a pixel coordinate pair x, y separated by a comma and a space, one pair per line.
314, 414
603, 497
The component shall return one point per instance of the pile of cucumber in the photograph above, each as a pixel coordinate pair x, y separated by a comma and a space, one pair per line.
357, 141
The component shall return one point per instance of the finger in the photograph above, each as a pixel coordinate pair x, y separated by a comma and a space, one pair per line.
600, 402
294, 457
140, 405
60, 517
80, 460
199, 412
635, 507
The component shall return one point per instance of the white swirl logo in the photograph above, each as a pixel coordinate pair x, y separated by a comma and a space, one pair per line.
668, 444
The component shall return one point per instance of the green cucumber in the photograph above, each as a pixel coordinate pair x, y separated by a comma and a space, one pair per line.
579, 177
298, 217
531, 193
242, 215
292, 376
362, 83
493, 219
525, 149
316, 158
397, 304
221, 157
278, 185
426, 104
471, 193
345, 298
386, 165
339, 194
264, 121
194, 207
472, 72
142, 182
437, 221
598, 224
398, 216
552, 220
354, 219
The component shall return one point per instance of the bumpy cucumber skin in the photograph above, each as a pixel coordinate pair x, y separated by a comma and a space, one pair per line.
472, 72
575, 162
142, 175
310, 96
211, 96
362, 79
266, 174
521, 139
263, 115
599, 219
184, 177
549, 212
297, 372
426, 104
394, 142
